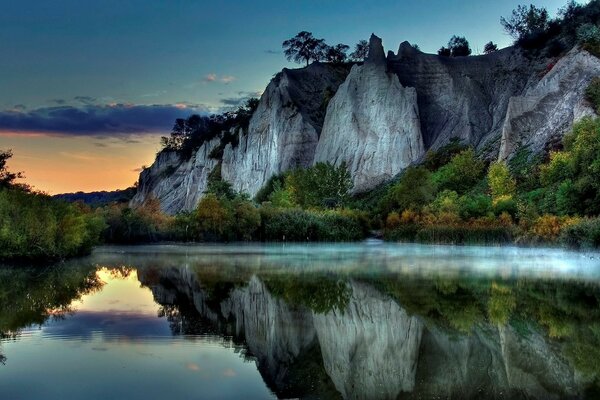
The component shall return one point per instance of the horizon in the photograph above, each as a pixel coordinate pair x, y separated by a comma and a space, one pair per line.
83, 109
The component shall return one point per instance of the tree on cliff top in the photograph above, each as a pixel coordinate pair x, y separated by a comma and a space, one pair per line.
525, 21
361, 51
490, 47
459, 46
337, 54
303, 48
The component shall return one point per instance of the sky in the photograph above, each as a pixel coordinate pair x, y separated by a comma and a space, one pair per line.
88, 87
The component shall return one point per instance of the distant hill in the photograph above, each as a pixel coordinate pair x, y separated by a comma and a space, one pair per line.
99, 199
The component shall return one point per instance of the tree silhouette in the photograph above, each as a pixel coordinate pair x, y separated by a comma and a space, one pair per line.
303, 48
361, 51
7, 178
459, 46
337, 54
444, 52
490, 47
525, 21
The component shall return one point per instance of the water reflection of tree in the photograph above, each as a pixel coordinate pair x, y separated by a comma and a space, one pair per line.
29, 296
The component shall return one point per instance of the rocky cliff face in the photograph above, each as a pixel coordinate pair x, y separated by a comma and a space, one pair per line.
372, 124
382, 116
546, 111
178, 185
463, 97
285, 129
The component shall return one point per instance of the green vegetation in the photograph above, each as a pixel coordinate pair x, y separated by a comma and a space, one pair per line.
537, 33
34, 226
455, 198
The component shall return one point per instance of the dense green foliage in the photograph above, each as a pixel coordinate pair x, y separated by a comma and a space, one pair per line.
455, 198
35, 226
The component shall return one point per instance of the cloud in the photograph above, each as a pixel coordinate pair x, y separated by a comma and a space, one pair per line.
96, 119
210, 78
226, 79
272, 52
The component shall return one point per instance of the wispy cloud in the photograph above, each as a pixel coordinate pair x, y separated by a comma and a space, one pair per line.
272, 52
227, 79
212, 77
97, 119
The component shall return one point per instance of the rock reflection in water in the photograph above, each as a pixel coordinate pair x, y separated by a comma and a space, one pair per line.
388, 335
362, 324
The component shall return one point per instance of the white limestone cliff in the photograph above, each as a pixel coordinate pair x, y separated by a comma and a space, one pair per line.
372, 124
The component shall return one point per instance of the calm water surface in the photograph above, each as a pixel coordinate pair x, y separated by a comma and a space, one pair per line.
361, 321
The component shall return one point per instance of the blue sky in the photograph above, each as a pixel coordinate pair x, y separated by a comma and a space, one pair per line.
115, 68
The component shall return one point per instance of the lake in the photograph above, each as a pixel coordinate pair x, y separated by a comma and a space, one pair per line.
329, 321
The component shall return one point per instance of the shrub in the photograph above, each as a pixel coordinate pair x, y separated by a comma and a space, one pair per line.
323, 185
414, 190
434, 160
34, 226
445, 202
280, 197
506, 204
247, 219
548, 228
500, 180
301, 225
462, 172
582, 234
474, 206
214, 220
265, 192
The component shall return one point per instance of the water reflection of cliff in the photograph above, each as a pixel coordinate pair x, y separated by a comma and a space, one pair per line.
390, 336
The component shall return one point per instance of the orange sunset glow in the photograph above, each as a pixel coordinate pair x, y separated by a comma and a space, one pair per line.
64, 164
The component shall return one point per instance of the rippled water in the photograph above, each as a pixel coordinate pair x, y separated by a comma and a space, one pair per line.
363, 321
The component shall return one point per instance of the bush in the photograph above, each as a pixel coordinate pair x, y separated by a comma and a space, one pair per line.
247, 219
474, 206
500, 180
323, 185
34, 226
506, 204
214, 219
548, 228
414, 190
461, 174
298, 225
582, 234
